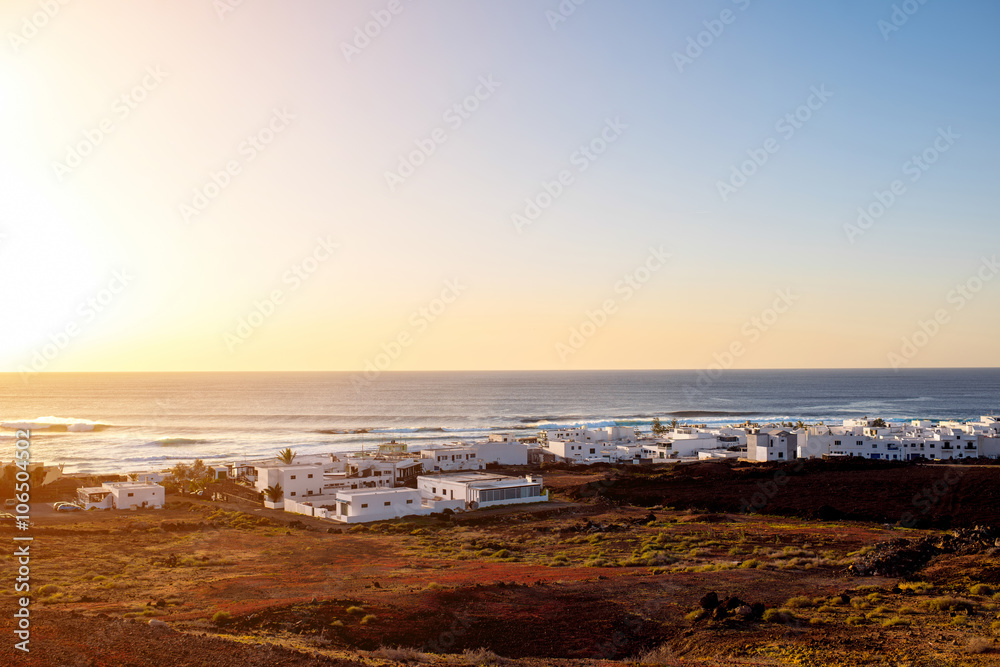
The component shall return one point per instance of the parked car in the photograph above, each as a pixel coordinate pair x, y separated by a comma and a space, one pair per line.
66, 507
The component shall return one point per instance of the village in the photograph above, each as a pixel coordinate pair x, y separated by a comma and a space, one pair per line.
392, 481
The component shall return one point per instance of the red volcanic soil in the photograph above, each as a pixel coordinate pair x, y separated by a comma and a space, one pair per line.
74, 639
914, 495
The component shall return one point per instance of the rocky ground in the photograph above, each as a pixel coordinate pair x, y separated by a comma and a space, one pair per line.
591, 581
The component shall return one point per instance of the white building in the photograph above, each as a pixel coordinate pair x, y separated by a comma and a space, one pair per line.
361, 505
122, 495
479, 489
773, 445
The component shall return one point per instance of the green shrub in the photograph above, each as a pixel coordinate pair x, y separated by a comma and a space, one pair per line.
221, 617
752, 563
368, 618
48, 589
355, 609
982, 589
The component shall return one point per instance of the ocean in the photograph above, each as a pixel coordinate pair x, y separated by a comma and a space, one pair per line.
124, 422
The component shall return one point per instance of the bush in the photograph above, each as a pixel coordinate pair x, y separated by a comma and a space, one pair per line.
917, 587
48, 589
221, 617
799, 602
399, 654
895, 621
368, 618
752, 563
948, 603
855, 620
779, 616
355, 610
982, 589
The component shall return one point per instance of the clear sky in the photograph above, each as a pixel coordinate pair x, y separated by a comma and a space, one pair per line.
119, 252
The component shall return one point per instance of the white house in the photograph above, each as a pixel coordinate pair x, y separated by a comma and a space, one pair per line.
360, 505
297, 479
479, 489
122, 495
773, 445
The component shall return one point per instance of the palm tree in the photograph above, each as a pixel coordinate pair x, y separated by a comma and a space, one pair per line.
800, 424
274, 493
658, 428
286, 455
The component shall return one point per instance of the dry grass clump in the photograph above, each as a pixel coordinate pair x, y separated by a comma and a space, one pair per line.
800, 602
483, 657
658, 656
982, 589
785, 616
918, 587
978, 645
399, 654
895, 621
949, 603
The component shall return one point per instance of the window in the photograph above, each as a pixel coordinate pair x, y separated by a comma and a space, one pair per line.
310, 476
410, 501
293, 477
781, 455
130, 495
472, 456
591, 450
388, 502
836, 442
364, 505
293, 493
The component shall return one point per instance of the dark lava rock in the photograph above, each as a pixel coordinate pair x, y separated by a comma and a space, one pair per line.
709, 600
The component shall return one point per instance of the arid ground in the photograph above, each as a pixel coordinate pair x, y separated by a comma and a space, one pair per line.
622, 571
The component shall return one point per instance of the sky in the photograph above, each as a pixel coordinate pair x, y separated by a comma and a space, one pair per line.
459, 184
